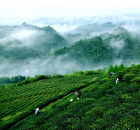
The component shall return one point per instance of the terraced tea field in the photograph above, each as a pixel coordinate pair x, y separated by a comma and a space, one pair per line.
17, 102
104, 105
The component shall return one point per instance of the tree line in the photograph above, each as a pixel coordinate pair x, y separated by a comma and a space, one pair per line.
13, 79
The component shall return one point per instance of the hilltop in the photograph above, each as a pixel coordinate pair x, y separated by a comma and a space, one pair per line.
103, 104
43, 50
28, 41
107, 47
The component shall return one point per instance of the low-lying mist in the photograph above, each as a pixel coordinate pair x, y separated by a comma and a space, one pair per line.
72, 28
52, 65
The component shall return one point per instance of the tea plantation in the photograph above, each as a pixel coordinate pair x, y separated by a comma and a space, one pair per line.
103, 103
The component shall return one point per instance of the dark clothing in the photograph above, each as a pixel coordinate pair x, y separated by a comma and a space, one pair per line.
79, 95
120, 77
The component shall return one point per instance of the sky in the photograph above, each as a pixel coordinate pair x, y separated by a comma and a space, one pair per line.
19, 4
15, 11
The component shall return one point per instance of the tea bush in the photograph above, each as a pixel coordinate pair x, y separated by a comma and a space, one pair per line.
128, 77
102, 105
136, 79
102, 81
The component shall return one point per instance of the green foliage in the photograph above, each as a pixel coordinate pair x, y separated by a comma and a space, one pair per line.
136, 79
102, 105
85, 73
14, 79
94, 50
27, 97
128, 77
38, 77
116, 68
102, 81
111, 68
19, 53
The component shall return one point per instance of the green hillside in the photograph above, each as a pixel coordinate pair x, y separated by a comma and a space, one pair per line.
28, 41
103, 104
107, 47
91, 50
42, 41
18, 53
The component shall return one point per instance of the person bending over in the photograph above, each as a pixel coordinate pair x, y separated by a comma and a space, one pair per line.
79, 95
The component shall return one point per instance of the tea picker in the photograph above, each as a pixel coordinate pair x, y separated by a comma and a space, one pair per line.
119, 79
79, 95
37, 112
111, 74
77, 90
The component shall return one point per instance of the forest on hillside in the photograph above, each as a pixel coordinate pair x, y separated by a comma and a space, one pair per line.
33, 48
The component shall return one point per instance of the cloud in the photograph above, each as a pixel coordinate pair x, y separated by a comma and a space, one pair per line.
63, 21
117, 44
47, 66
25, 36
51, 65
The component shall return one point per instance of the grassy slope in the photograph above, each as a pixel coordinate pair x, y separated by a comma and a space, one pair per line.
103, 105
18, 102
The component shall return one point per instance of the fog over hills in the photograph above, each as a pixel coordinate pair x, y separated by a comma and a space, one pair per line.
62, 45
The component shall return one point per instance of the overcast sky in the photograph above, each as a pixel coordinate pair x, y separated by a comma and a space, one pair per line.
13, 11
15, 4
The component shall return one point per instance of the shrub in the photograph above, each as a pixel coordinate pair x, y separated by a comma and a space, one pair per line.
79, 72
134, 70
36, 78
116, 68
136, 79
39, 77
111, 68
129, 77
122, 72
95, 112
102, 81
99, 124
55, 75
128, 122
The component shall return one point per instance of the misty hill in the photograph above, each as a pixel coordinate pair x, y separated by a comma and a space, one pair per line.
91, 28
29, 41
19, 53
124, 44
103, 103
119, 44
32, 49
73, 37
47, 38
89, 50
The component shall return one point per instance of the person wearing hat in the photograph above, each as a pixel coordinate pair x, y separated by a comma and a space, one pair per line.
37, 111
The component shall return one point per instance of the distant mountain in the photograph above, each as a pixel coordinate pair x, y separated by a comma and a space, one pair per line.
29, 41
119, 44
88, 50
124, 45
73, 37
42, 50
91, 28
19, 53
